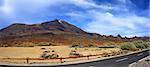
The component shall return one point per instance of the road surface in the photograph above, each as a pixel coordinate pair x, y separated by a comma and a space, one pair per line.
119, 61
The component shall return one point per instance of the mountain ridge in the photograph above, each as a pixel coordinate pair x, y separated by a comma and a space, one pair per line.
55, 31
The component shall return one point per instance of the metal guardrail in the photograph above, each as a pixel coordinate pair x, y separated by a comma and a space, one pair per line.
86, 63
61, 58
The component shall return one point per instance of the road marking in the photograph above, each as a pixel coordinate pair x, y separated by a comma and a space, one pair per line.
121, 59
140, 54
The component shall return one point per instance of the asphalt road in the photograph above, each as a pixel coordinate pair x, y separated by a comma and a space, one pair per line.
120, 61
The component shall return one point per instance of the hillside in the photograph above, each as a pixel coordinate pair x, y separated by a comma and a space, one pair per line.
56, 32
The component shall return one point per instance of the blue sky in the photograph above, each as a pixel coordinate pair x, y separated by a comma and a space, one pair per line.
106, 17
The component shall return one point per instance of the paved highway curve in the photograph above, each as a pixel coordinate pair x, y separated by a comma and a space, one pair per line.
119, 61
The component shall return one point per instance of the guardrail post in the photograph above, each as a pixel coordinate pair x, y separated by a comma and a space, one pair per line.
27, 60
61, 60
88, 57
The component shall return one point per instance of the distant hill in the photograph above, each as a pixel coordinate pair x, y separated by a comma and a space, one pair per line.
58, 32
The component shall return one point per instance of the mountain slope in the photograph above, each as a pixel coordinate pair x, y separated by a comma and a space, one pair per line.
55, 26
58, 32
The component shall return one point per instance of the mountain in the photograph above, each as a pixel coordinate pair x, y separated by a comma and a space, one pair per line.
58, 32
51, 26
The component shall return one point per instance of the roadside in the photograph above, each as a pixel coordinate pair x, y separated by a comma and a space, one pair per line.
145, 62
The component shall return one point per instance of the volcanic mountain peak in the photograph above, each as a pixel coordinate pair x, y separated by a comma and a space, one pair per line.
60, 21
61, 25
56, 26
56, 22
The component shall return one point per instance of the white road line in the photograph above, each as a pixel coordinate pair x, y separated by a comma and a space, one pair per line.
140, 54
121, 59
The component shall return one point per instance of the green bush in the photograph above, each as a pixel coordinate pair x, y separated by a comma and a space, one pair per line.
128, 46
138, 42
135, 45
146, 44
141, 46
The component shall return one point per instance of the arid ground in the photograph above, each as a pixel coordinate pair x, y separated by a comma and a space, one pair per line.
37, 51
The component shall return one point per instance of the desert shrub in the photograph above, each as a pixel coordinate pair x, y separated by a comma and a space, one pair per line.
146, 44
107, 46
128, 46
46, 51
4, 45
46, 44
75, 54
135, 45
77, 45
43, 55
106, 55
53, 56
43, 48
140, 45
46, 56
26, 44
139, 41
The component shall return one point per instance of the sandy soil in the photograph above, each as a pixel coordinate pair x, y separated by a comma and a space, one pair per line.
35, 52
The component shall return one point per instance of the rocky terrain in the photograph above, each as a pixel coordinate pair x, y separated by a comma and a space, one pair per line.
55, 32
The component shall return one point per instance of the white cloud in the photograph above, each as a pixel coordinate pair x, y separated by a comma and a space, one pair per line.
11, 7
6, 8
103, 20
92, 4
84, 3
109, 24
106, 23
75, 14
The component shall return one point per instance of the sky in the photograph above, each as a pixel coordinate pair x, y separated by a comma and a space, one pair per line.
107, 17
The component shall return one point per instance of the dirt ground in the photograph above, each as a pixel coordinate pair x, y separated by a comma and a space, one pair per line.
35, 52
